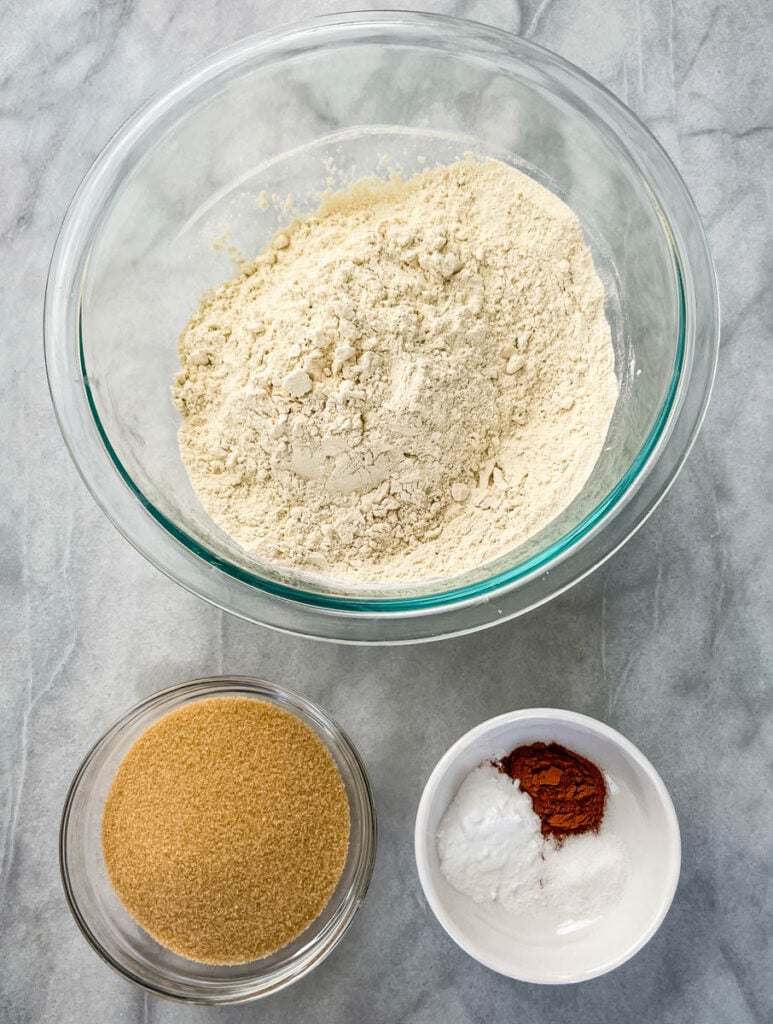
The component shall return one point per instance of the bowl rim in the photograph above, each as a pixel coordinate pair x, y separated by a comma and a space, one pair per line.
319, 945
368, 619
545, 717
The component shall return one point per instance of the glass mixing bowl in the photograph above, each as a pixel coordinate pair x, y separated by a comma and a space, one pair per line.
275, 114
114, 933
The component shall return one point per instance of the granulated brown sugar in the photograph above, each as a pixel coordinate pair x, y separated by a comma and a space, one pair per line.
226, 829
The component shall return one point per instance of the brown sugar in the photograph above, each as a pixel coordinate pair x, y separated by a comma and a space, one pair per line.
226, 829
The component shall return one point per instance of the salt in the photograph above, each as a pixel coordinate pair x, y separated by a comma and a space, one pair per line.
584, 874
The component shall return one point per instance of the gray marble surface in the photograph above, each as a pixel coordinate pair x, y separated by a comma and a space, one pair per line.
670, 642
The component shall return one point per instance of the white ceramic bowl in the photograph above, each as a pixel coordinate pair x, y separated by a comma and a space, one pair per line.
639, 810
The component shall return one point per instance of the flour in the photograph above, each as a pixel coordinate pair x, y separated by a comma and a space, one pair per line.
407, 383
491, 849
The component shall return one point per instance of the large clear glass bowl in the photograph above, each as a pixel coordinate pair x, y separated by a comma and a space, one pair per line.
114, 933
273, 114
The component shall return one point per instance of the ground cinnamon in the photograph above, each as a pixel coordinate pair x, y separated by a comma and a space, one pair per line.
568, 792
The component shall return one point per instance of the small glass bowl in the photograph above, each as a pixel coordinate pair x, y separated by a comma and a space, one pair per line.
109, 927
639, 811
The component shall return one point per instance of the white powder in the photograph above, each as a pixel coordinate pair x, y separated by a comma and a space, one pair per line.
489, 840
408, 383
491, 849
584, 873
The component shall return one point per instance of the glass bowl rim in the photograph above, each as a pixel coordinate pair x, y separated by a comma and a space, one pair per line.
112, 163
320, 944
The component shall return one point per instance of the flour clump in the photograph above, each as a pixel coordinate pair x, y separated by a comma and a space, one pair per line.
406, 383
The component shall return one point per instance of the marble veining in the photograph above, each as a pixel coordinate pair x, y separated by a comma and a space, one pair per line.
670, 642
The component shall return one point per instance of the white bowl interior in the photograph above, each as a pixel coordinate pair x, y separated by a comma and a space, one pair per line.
639, 811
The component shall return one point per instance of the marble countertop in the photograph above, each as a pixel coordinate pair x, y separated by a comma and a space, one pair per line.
671, 642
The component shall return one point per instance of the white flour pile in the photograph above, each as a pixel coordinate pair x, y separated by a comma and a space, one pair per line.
409, 382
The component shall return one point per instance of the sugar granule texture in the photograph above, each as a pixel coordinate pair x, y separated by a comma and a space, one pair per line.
407, 383
226, 829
